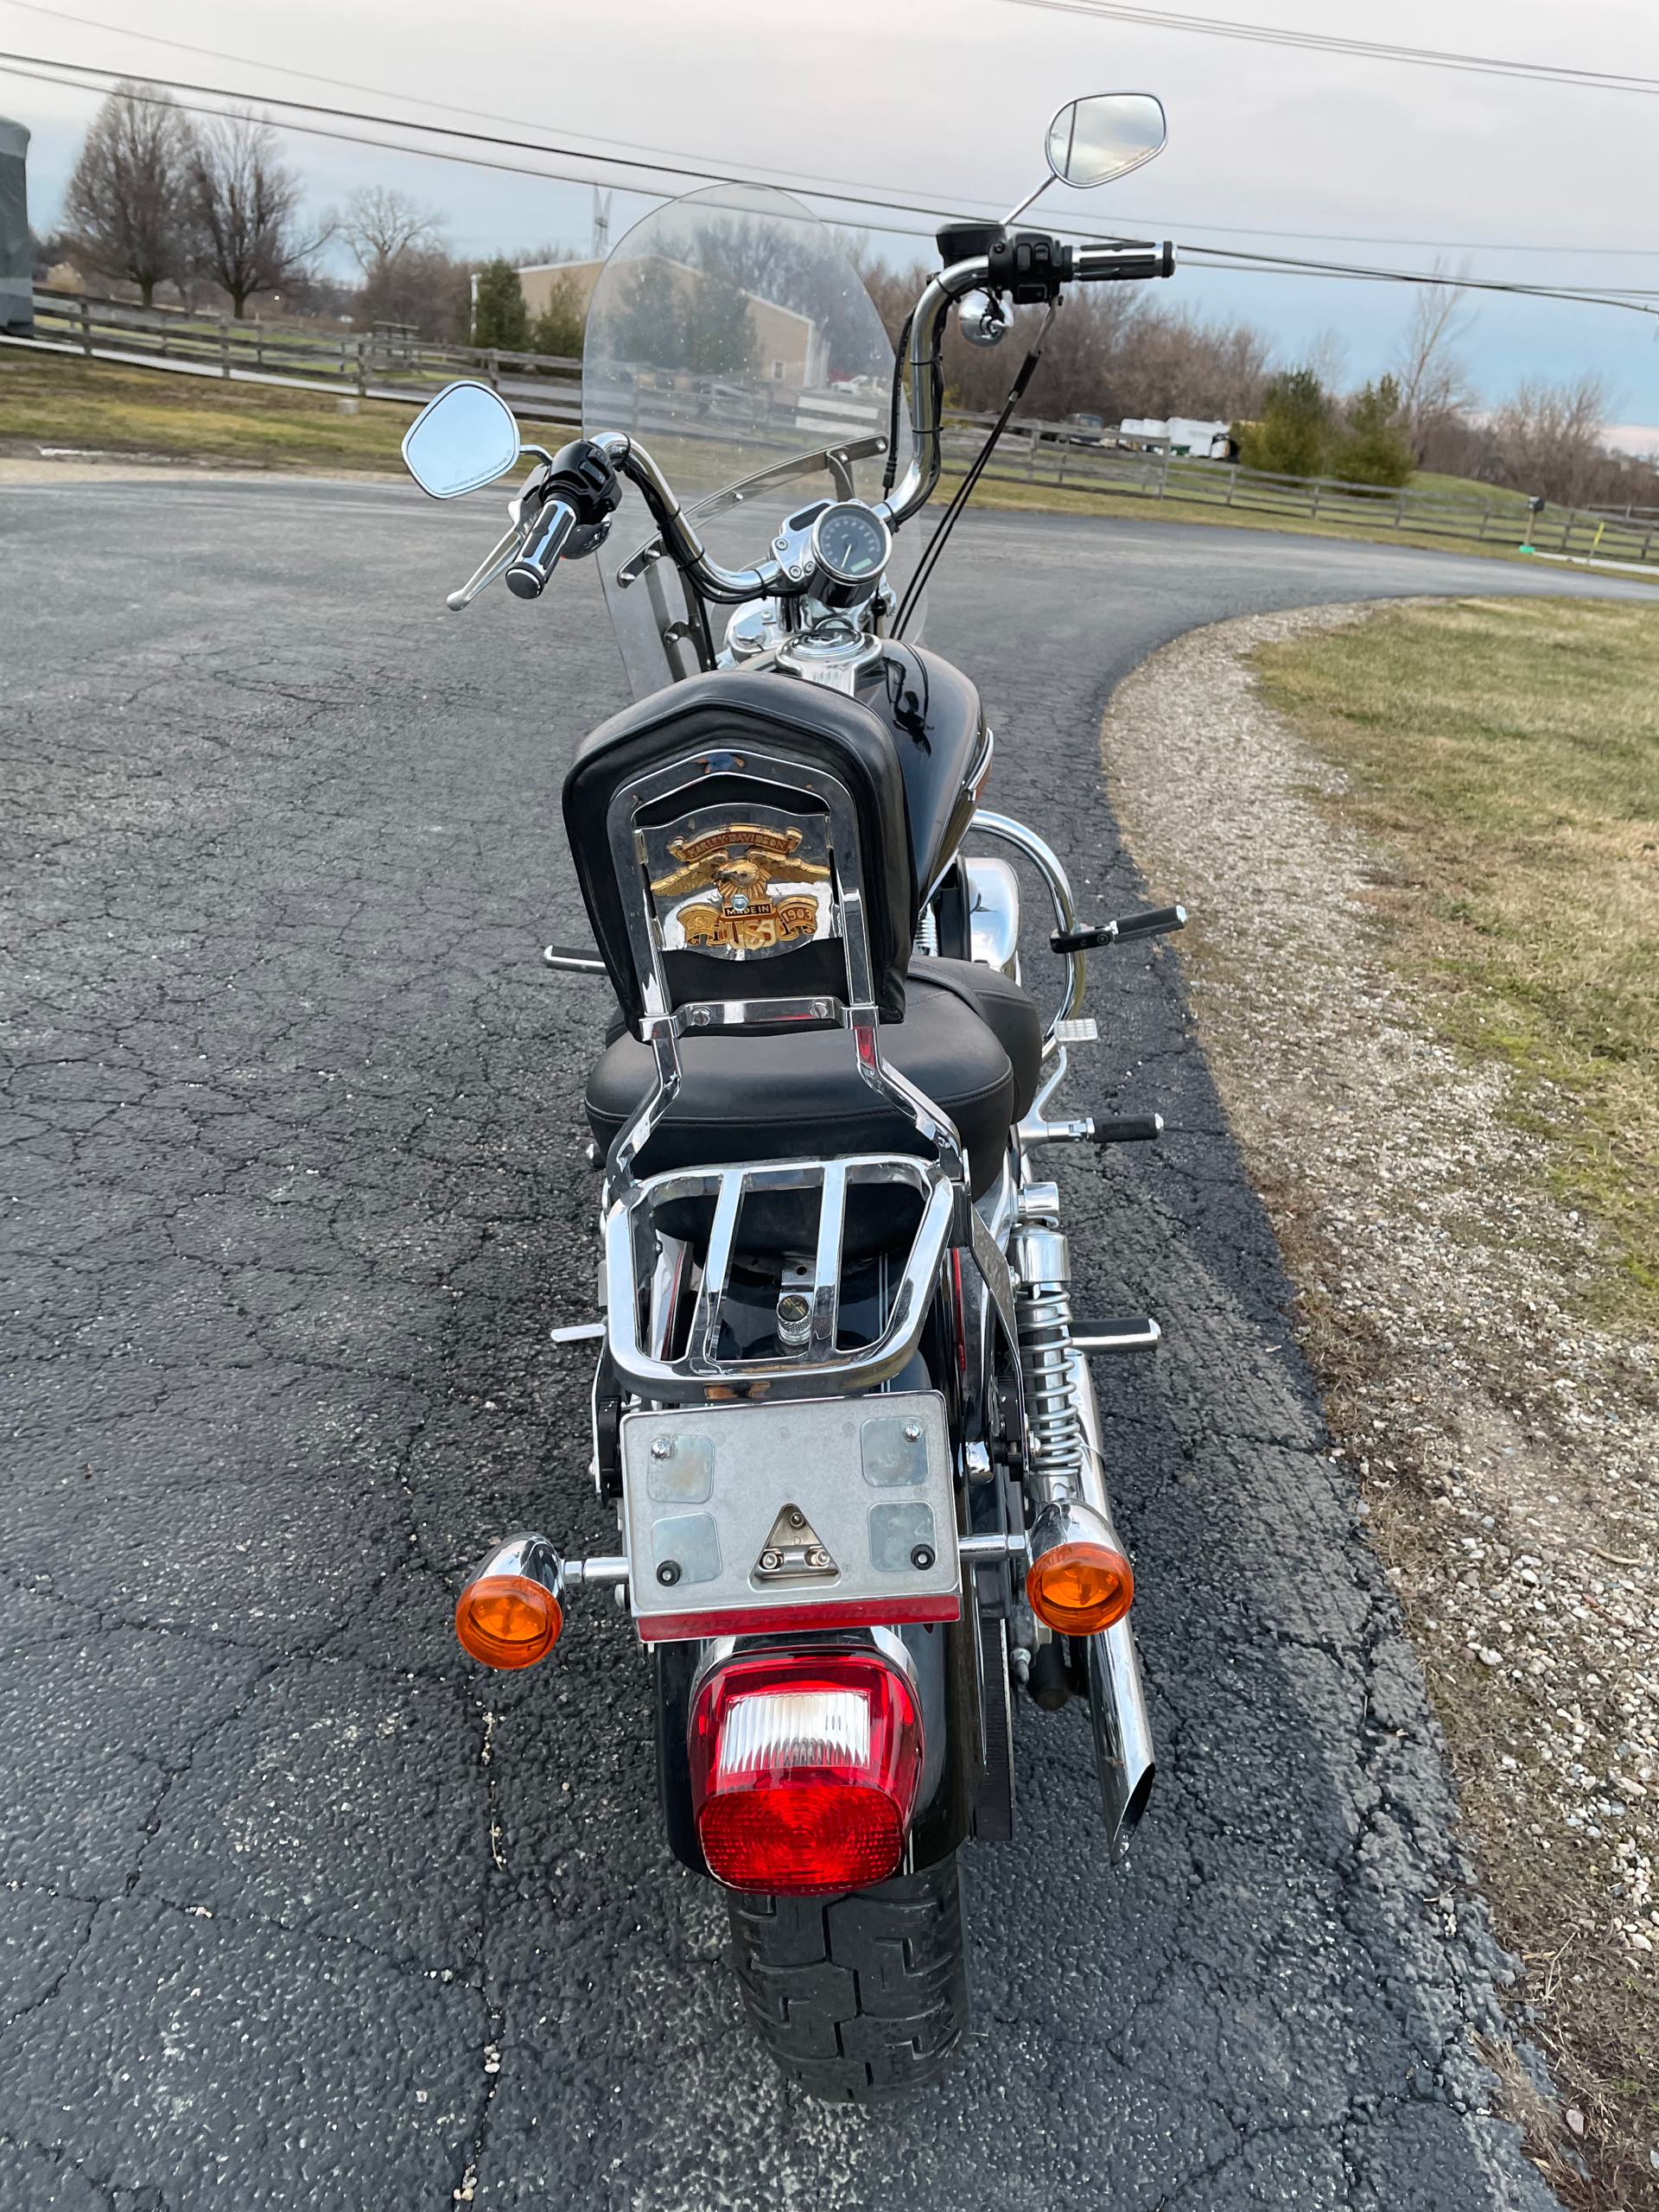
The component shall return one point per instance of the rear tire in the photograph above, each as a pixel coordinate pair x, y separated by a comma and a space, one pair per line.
857, 1998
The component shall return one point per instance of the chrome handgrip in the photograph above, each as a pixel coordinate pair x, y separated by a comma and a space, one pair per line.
549, 533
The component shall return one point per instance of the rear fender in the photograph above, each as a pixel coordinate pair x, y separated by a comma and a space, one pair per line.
945, 1656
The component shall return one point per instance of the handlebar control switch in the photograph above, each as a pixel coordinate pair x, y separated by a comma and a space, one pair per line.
565, 511
1029, 265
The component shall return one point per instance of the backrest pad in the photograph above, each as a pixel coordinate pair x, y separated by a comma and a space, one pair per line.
721, 808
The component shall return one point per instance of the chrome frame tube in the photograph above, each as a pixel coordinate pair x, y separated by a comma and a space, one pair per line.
1047, 862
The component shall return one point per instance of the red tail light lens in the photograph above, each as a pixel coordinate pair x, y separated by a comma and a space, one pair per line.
804, 1768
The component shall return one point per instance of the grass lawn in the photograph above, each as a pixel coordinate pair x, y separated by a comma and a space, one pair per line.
1507, 752
53, 400
57, 400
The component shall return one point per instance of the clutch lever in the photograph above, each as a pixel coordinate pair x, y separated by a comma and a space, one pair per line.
495, 564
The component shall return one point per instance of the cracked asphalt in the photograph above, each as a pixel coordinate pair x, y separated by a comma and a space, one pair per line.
296, 1908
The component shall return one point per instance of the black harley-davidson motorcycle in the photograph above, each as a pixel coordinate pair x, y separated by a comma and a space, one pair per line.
840, 1402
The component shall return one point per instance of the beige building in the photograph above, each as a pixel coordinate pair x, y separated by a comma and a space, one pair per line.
789, 346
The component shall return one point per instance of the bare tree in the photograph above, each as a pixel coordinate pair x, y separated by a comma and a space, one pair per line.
407, 275
1434, 385
1550, 438
246, 203
127, 205
380, 225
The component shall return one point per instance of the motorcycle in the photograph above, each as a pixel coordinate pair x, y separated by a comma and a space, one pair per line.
840, 1403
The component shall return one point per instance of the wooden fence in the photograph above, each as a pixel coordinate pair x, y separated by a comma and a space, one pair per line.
393, 363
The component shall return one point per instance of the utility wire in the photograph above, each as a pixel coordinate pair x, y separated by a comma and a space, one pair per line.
798, 177
1421, 57
75, 74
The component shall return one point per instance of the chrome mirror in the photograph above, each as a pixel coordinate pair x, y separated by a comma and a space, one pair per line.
1090, 142
461, 440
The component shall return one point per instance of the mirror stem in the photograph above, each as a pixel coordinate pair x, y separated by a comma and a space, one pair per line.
1015, 213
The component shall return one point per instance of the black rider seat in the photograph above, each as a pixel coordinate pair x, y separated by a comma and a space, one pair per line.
970, 1040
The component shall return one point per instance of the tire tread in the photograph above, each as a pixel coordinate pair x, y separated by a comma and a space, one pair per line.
857, 1998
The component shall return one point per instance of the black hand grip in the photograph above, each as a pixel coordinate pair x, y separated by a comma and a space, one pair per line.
1130, 1128
527, 577
1110, 264
1084, 940
1152, 921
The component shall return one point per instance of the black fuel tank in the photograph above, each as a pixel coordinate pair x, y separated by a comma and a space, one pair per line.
938, 729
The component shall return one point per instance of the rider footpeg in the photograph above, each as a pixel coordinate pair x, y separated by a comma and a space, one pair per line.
1092, 938
1081, 1030
1149, 921
1129, 1129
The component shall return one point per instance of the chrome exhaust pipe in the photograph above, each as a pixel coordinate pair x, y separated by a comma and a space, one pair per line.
1124, 1760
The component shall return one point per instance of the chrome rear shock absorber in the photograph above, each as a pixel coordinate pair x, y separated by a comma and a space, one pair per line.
1042, 1305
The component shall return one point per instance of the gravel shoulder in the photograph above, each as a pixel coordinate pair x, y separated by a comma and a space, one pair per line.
1503, 1445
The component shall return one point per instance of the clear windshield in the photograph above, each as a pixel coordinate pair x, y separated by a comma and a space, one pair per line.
732, 335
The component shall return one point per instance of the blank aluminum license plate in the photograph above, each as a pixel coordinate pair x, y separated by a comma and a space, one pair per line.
808, 1513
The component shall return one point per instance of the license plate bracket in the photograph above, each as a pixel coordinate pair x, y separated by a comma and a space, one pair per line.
741, 1519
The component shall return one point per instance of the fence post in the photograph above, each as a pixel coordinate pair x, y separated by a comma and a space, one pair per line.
1646, 545
1232, 484
1313, 512
224, 347
259, 344
86, 327
1400, 508
492, 368
362, 367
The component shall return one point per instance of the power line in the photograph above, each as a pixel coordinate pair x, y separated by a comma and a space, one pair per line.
803, 178
1251, 261
1421, 57
349, 84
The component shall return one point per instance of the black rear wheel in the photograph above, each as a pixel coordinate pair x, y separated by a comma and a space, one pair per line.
857, 1998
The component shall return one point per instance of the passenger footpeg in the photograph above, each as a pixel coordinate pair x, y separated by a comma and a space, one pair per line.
1149, 921
1129, 1129
1084, 1129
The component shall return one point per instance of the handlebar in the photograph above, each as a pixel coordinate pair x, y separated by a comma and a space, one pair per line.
1090, 264
1030, 265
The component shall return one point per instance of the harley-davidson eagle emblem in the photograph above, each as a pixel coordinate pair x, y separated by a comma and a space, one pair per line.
762, 886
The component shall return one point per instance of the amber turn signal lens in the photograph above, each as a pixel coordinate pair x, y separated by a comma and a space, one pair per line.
1080, 1588
507, 1620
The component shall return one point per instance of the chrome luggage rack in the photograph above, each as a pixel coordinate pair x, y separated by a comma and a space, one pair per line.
633, 1245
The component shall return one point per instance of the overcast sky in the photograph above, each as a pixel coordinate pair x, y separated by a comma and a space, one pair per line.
946, 99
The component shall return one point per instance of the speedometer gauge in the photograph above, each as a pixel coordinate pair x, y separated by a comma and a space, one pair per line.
851, 542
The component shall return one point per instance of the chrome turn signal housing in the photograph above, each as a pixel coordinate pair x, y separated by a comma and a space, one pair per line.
1078, 1581
510, 1614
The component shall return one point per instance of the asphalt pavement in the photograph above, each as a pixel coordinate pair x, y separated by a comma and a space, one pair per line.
299, 1909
